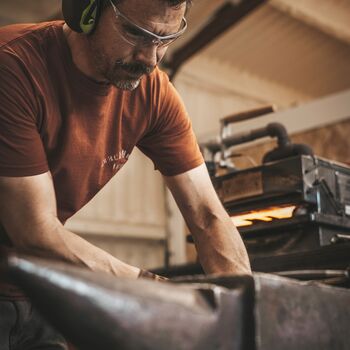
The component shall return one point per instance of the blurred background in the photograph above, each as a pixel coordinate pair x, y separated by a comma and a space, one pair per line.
236, 55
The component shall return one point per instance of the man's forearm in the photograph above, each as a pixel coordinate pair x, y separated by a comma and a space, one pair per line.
220, 246
56, 241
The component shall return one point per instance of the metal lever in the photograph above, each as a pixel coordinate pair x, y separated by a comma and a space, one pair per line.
246, 115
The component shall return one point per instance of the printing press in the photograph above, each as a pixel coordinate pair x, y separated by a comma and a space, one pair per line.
293, 213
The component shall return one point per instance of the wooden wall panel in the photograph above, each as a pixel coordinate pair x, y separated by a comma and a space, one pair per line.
144, 253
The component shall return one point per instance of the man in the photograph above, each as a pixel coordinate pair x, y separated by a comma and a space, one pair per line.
75, 99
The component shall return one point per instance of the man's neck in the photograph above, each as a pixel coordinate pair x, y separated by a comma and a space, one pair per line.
79, 48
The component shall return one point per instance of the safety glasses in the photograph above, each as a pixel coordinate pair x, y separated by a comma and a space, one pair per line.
141, 37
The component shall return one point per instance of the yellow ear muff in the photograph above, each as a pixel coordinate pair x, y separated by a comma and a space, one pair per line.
89, 17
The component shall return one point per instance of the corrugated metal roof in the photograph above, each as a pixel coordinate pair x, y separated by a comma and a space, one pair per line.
277, 47
329, 16
302, 44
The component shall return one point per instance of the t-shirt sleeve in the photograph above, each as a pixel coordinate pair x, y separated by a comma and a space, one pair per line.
171, 143
21, 149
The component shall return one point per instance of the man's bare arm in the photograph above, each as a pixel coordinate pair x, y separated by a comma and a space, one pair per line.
219, 245
29, 215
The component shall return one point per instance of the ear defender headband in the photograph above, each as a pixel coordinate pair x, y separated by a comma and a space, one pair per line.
81, 15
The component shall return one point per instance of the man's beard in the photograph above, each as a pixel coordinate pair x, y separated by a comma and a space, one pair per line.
113, 72
137, 69
128, 85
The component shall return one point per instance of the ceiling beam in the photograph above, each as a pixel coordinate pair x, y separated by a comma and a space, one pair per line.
224, 18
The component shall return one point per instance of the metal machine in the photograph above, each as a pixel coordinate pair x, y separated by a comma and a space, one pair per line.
295, 204
293, 211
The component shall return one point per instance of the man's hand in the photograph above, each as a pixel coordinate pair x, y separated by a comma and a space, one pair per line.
151, 276
29, 215
219, 245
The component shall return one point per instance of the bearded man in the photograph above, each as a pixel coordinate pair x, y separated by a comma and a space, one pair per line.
75, 98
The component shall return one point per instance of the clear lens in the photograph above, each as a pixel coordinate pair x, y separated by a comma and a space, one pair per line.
134, 36
138, 36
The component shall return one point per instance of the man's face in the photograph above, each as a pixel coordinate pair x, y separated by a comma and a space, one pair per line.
116, 59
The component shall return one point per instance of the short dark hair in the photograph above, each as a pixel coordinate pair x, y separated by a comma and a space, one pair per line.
175, 3
170, 2
178, 2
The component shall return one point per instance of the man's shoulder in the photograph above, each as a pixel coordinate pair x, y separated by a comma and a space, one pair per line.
154, 85
24, 47
159, 76
15, 35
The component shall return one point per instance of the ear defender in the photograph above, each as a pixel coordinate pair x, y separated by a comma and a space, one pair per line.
81, 15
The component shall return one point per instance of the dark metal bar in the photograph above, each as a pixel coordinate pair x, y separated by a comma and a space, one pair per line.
271, 130
246, 115
228, 15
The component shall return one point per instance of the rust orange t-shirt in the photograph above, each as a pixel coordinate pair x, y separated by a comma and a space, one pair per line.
53, 117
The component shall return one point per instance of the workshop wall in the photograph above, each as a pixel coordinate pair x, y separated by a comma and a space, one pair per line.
215, 92
331, 142
212, 90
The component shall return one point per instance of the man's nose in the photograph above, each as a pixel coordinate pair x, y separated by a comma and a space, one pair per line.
147, 55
